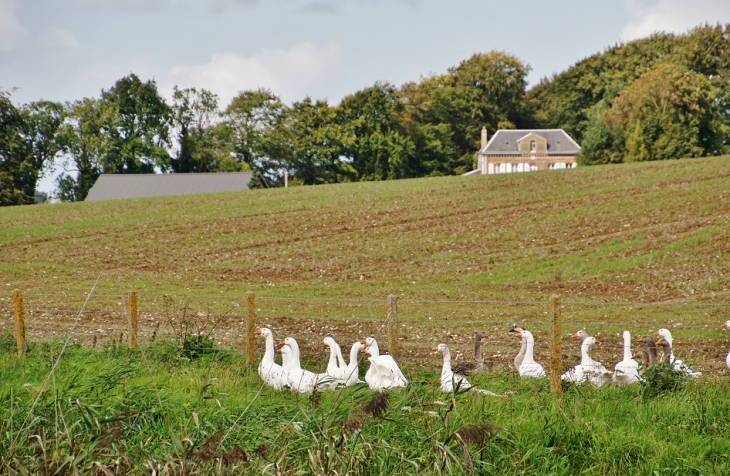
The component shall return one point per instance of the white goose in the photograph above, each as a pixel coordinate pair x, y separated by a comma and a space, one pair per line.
298, 379
351, 376
383, 372
269, 371
627, 371
676, 363
588, 370
348, 374
523, 347
336, 365
450, 380
528, 367
727, 359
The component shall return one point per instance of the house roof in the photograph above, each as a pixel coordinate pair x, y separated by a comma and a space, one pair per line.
114, 186
504, 142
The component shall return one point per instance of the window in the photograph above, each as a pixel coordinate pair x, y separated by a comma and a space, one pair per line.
533, 146
533, 167
514, 168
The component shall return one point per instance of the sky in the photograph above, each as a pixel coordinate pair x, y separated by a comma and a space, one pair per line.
65, 50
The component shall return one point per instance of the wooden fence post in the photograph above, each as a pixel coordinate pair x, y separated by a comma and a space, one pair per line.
19, 321
392, 326
556, 313
133, 320
250, 329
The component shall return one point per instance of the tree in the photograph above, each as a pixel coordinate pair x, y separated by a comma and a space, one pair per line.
84, 147
12, 165
486, 90
566, 100
316, 142
29, 142
136, 131
373, 136
671, 113
253, 119
202, 144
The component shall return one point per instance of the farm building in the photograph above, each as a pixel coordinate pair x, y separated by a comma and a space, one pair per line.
115, 186
525, 150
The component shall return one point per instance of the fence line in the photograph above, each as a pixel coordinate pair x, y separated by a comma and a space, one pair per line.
402, 300
543, 318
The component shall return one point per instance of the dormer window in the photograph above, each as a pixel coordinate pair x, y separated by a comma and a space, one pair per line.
533, 146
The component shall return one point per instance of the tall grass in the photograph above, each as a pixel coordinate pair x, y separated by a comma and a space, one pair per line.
102, 416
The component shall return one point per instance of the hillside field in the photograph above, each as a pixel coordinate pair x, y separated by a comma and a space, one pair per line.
636, 246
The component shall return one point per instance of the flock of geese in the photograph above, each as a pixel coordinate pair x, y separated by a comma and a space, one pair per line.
384, 372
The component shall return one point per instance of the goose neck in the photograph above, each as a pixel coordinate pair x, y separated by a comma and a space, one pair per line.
627, 346
529, 346
585, 357
269, 351
354, 351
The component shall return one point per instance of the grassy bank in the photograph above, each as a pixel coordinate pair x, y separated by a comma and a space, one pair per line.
112, 409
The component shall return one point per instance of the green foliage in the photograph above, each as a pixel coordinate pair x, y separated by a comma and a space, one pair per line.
661, 97
28, 143
136, 130
124, 131
374, 140
254, 120
672, 113
315, 144
661, 378
445, 113
7, 343
84, 147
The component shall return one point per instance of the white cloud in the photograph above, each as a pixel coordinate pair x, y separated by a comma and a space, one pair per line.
676, 16
11, 30
289, 73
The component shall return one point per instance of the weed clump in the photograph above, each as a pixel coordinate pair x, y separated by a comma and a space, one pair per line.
661, 378
477, 435
378, 404
7, 343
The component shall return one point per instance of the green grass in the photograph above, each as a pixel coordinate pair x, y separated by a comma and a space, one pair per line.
213, 416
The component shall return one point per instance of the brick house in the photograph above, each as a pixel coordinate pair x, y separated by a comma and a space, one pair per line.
525, 150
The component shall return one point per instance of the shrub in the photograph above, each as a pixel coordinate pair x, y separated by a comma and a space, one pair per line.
662, 378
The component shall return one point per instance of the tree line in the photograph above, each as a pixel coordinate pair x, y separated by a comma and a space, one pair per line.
662, 97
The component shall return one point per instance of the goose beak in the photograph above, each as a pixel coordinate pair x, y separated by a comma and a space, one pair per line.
639, 341
258, 332
724, 324
598, 341
324, 343
519, 335
659, 342
363, 342
282, 343
633, 356
435, 349
575, 336
656, 333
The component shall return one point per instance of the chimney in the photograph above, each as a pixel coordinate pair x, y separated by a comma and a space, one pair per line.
484, 137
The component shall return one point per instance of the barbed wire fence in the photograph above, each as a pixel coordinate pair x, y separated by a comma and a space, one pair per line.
409, 328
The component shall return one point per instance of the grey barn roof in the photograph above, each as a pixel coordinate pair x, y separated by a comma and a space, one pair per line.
114, 186
504, 142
